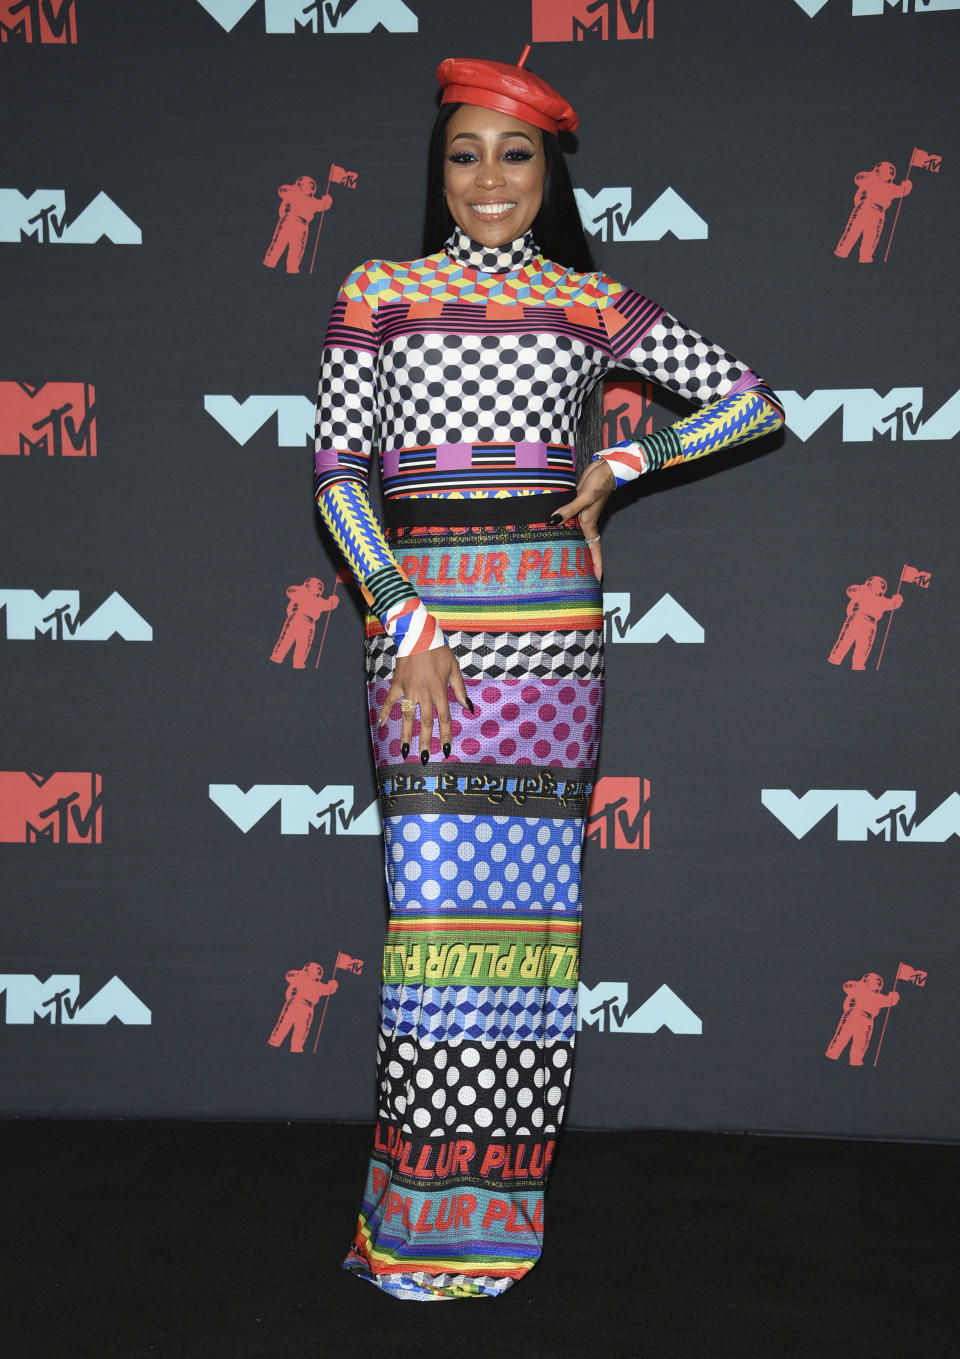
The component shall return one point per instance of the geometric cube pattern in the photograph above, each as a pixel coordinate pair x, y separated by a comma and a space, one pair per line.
489, 1013
495, 655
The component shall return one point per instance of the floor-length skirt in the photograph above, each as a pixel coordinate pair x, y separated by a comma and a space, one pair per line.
478, 1000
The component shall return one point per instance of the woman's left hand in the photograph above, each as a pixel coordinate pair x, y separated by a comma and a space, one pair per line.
593, 491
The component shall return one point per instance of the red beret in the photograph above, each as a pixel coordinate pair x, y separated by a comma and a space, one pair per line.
508, 89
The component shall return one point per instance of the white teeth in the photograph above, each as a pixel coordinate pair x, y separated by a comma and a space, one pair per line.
492, 209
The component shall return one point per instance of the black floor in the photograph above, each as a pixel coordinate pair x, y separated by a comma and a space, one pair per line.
198, 1239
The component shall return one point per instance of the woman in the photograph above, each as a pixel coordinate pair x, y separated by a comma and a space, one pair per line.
468, 370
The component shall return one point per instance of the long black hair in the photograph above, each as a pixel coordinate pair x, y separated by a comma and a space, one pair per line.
557, 230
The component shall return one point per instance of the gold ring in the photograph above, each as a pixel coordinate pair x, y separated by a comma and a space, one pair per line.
407, 705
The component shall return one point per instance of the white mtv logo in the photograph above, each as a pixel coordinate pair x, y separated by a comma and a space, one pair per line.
609, 215
43, 215
896, 416
862, 8
331, 811
605, 1006
892, 816
666, 618
55, 615
57, 1000
242, 419
339, 16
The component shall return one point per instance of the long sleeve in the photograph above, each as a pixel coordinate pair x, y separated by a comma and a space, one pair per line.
345, 440
734, 404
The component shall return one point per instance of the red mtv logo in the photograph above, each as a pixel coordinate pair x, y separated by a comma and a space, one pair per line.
577, 20
54, 419
35, 21
618, 816
627, 411
62, 808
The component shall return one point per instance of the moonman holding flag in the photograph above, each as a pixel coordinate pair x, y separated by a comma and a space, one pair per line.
868, 603
307, 604
863, 1002
298, 205
876, 190
305, 986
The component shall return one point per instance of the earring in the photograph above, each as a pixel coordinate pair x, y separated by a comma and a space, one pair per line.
443, 191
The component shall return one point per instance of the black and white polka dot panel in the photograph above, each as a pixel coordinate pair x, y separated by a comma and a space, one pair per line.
345, 416
441, 388
500, 1089
685, 362
502, 259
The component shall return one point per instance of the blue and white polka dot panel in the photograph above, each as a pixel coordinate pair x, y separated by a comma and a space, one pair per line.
487, 863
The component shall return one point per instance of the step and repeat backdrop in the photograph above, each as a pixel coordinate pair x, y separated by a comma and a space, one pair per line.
190, 841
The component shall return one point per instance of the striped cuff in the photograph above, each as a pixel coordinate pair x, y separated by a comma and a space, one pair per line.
413, 629
627, 460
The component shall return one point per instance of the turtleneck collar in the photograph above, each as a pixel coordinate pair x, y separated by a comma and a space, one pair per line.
491, 259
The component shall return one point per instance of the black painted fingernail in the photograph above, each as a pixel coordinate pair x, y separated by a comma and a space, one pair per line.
446, 750
424, 756
470, 706
556, 518
405, 750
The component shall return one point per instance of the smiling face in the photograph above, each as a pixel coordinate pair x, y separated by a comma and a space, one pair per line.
493, 174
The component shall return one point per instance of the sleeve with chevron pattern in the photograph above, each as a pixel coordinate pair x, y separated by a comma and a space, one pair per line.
345, 439
734, 404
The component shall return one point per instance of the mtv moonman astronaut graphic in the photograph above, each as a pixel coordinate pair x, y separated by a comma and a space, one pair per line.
863, 1002
298, 205
876, 190
868, 603
305, 986
307, 604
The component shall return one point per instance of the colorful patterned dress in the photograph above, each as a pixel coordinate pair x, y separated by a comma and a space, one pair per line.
466, 371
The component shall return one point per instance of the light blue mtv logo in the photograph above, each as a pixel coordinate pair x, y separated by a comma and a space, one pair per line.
891, 817
242, 419
666, 618
56, 614
57, 1001
332, 810
338, 16
606, 1007
865, 8
897, 415
42, 215
609, 214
